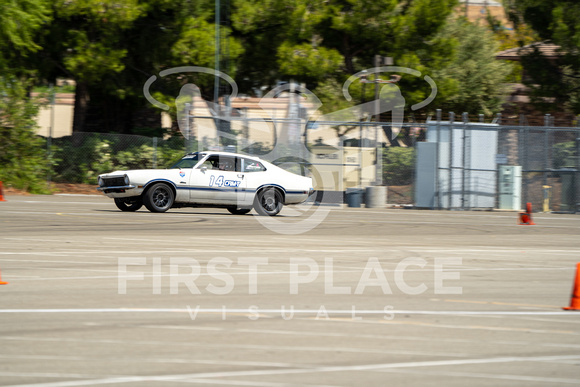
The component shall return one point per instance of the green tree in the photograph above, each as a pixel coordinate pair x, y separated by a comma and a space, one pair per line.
86, 42
554, 21
20, 22
398, 166
322, 43
471, 79
111, 47
23, 161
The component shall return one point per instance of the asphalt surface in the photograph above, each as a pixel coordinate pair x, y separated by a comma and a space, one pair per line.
321, 296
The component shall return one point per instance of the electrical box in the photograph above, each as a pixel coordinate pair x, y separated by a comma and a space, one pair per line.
510, 187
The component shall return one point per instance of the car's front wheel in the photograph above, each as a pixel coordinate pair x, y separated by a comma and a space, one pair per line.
238, 211
268, 202
129, 204
159, 198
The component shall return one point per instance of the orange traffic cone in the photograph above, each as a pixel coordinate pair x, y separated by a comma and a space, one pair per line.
2, 282
526, 217
575, 300
2, 193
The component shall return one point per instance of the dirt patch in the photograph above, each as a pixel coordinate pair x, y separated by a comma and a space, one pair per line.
400, 194
59, 188
82, 189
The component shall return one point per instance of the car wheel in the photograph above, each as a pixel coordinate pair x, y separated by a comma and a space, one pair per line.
158, 198
268, 202
129, 204
238, 211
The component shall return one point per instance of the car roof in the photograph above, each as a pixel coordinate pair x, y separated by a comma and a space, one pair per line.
222, 153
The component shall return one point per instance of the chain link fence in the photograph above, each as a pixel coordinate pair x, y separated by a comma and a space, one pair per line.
474, 165
550, 163
80, 158
465, 162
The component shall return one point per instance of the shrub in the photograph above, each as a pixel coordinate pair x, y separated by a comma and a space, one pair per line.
398, 166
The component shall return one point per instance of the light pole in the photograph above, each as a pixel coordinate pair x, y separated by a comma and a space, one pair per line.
363, 80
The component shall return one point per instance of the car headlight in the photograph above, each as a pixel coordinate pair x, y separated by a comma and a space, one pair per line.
101, 182
126, 180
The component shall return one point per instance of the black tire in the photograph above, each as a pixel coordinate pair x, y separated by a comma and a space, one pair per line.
268, 202
159, 198
238, 211
129, 204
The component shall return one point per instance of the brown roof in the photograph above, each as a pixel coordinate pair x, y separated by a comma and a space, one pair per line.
549, 50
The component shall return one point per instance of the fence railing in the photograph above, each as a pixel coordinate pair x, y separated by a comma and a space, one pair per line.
370, 153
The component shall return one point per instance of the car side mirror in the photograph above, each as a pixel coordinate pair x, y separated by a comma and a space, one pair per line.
203, 168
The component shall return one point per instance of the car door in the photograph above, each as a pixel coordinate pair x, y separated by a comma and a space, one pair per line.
218, 180
254, 175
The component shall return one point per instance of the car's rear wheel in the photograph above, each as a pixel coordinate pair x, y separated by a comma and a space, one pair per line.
159, 198
129, 204
238, 211
268, 202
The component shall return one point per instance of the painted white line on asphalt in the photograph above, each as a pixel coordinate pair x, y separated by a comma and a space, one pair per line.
76, 269
143, 275
323, 369
285, 348
59, 202
49, 375
75, 383
479, 375
463, 326
42, 357
157, 360
297, 311
134, 218
570, 362
42, 240
409, 250
254, 383
443, 224
194, 239
45, 261
43, 253
460, 214
79, 195
368, 336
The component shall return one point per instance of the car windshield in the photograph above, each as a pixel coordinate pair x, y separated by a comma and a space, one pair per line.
187, 161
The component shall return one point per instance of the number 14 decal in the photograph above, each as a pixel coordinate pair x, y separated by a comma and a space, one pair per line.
220, 182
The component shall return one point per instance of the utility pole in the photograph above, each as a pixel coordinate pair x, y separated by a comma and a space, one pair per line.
51, 130
379, 61
217, 51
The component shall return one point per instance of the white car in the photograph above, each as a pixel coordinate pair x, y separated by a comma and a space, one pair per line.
208, 179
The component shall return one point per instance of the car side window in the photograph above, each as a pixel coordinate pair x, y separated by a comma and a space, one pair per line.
222, 163
253, 166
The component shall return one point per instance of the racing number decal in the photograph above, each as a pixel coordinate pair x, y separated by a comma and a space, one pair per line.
221, 182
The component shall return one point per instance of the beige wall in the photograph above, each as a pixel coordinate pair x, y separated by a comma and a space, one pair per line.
477, 10
63, 116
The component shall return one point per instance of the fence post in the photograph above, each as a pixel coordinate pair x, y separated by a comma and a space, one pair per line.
577, 196
187, 128
154, 152
50, 134
450, 182
465, 161
379, 154
437, 163
547, 120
